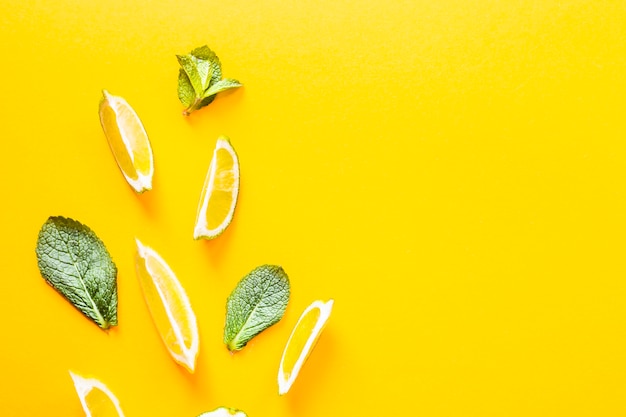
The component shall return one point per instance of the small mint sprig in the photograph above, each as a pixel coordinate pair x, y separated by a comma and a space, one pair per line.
200, 79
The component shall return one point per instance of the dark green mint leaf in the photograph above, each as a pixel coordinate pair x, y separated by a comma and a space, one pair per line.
206, 101
75, 262
205, 53
258, 302
202, 70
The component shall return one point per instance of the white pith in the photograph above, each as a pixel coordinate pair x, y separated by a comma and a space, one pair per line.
143, 181
325, 308
84, 386
201, 229
188, 357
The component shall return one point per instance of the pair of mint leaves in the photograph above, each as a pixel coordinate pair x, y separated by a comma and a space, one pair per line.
75, 262
200, 79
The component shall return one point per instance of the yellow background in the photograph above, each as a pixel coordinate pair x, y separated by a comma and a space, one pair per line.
450, 172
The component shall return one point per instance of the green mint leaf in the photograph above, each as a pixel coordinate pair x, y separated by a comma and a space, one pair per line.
205, 71
189, 64
205, 101
202, 79
204, 53
216, 73
258, 302
75, 262
186, 94
222, 85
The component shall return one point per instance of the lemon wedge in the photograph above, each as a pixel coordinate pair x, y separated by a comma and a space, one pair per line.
169, 306
223, 412
219, 194
97, 400
128, 141
301, 342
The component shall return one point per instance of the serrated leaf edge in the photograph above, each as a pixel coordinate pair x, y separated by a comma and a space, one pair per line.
100, 321
232, 345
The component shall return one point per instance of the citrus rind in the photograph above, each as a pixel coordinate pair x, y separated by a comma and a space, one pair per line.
287, 377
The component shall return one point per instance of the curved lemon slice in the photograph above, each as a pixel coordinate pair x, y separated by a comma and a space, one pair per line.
97, 400
219, 194
224, 412
128, 141
303, 338
169, 306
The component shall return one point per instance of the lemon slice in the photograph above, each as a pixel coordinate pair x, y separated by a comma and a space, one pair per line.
128, 141
169, 306
97, 400
303, 338
219, 194
224, 412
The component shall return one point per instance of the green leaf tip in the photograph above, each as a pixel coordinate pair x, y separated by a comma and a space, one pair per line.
258, 301
200, 79
75, 262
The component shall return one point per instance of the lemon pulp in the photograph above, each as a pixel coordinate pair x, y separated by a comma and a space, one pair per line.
100, 404
128, 141
301, 342
219, 193
298, 341
221, 197
169, 306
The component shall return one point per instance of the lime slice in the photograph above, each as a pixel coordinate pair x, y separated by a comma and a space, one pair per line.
97, 400
128, 141
303, 338
169, 306
219, 194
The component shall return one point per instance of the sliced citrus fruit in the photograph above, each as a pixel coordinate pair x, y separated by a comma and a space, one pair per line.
219, 194
303, 338
97, 400
128, 141
169, 306
224, 412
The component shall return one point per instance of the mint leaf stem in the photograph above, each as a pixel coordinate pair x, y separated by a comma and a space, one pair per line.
197, 104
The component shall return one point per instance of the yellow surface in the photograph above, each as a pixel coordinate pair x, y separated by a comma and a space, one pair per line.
452, 173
